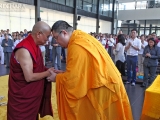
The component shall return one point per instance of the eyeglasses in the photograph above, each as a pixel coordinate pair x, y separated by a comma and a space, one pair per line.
44, 35
56, 38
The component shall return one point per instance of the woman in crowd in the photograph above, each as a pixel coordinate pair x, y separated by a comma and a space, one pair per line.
151, 54
119, 54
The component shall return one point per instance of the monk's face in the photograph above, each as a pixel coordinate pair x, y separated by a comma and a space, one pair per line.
43, 37
62, 38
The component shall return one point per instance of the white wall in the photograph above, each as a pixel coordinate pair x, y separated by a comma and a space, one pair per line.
18, 21
142, 14
105, 26
87, 24
51, 16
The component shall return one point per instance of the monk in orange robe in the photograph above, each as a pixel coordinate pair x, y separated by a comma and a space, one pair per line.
29, 93
91, 88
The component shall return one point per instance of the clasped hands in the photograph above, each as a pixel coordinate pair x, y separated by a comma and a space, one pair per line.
148, 55
53, 73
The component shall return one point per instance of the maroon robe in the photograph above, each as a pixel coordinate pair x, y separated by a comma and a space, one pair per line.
27, 99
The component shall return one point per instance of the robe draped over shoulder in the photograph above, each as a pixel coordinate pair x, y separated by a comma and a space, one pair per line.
91, 88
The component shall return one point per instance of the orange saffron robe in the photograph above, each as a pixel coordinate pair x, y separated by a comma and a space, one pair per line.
91, 88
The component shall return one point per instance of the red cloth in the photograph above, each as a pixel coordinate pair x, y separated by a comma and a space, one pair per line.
27, 99
106, 46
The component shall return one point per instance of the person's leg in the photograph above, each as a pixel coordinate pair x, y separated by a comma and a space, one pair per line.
139, 63
128, 69
142, 70
51, 55
54, 56
145, 78
118, 65
9, 57
59, 58
123, 68
63, 54
134, 64
152, 71
109, 51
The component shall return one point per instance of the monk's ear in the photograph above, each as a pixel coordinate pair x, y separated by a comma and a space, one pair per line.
38, 34
65, 32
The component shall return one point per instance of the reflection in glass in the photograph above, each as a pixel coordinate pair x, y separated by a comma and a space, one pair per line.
70, 3
87, 6
54, 1
61, 2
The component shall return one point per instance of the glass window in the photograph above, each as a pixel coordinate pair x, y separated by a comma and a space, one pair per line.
101, 6
110, 8
158, 32
61, 2
94, 8
141, 5
141, 31
148, 23
89, 1
79, 4
70, 3
128, 6
106, 8
87, 6
95, 2
54, 0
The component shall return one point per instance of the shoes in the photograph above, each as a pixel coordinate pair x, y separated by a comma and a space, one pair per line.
127, 82
133, 84
143, 85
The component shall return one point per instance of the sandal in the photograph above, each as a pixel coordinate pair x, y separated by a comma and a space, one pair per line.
3, 104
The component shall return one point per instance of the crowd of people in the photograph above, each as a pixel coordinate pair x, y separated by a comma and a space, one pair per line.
90, 79
139, 53
51, 51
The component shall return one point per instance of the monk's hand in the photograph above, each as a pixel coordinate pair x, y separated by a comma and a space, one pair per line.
58, 71
52, 78
52, 68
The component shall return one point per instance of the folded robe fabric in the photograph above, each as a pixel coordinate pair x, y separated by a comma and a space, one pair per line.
91, 88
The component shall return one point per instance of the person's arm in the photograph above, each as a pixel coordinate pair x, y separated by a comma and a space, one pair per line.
24, 58
127, 45
118, 47
144, 52
53, 43
3, 43
157, 56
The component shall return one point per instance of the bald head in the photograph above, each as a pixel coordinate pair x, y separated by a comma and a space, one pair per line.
40, 27
41, 32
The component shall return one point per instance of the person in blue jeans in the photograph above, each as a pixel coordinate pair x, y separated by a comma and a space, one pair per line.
132, 47
151, 55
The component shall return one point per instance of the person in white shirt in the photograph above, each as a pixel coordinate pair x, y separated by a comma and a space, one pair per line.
1, 51
43, 50
132, 47
102, 41
50, 48
110, 45
20, 38
119, 54
140, 55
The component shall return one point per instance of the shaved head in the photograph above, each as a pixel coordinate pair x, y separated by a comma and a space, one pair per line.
40, 27
41, 32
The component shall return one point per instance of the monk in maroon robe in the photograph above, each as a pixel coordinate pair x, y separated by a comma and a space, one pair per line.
29, 93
